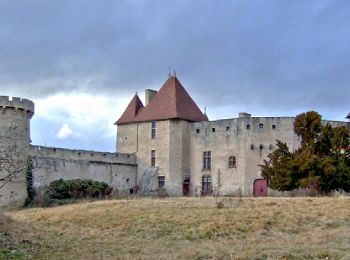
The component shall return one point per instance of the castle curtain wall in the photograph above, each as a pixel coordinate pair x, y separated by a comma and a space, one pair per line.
49, 164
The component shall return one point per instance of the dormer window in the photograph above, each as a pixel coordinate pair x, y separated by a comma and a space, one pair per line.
153, 130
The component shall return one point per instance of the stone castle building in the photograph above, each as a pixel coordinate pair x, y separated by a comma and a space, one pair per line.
166, 145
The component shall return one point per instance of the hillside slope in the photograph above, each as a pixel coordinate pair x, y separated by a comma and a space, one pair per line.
194, 228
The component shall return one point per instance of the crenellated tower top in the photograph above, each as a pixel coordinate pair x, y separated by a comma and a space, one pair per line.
17, 103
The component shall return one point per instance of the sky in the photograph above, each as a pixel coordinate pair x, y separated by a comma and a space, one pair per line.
81, 62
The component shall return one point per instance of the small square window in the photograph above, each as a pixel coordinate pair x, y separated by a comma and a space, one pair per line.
227, 128
213, 129
252, 147
197, 131
261, 126
248, 127
273, 126
261, 147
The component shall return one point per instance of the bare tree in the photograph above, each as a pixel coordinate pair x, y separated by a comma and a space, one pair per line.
13, 156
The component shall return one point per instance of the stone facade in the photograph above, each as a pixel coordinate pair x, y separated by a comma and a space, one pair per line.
49, 164
179, 147
15, 114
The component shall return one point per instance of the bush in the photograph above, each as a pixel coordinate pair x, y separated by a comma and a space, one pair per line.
74, 189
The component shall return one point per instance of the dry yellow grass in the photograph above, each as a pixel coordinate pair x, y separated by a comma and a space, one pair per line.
192, 228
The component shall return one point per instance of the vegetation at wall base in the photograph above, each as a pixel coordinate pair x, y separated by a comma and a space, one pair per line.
76, 189
30, 189
322, 163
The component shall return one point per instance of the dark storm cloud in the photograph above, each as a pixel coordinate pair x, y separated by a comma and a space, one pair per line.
277, 55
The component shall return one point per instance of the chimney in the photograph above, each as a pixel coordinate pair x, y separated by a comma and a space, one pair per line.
149, 94
244, 115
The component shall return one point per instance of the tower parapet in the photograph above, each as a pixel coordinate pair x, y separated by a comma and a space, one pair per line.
17, 103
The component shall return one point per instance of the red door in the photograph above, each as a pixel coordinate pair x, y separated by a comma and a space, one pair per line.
260, 188
186, 187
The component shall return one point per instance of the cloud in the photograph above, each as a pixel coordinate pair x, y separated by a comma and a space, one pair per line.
91, 116
64, 132
265, 57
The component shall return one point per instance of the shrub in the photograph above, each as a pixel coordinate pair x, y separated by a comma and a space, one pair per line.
74, 189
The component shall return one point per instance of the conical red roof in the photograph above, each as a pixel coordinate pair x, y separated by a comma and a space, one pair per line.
171, 102
131, 110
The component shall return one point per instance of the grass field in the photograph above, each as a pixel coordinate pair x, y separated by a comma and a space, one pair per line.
182, 228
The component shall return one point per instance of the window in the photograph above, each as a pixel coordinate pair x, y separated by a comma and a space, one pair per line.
252, 147
197, 130
213, 129
153, 130
273, 127
127, 180
153, 158
207, 160
261, 126
206, 184
261, 147
227, 128
232, 162
248, 127
161, 182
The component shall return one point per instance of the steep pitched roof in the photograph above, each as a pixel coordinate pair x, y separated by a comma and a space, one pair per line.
131, 110
171, 102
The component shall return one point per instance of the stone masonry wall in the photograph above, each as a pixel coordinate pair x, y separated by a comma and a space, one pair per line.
171, 156
15, 114
49, 164
249, 139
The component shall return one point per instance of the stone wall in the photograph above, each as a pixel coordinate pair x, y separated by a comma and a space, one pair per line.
249, 139
172, 152
15, 114
180, 145
49, 164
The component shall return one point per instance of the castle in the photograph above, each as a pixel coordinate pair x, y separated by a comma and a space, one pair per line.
166, 145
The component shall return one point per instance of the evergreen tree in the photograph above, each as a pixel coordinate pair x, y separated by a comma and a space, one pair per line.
322, 162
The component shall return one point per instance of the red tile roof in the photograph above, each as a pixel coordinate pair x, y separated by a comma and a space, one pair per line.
171, 102
131, 110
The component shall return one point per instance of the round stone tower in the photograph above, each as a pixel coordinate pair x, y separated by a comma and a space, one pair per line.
15, 115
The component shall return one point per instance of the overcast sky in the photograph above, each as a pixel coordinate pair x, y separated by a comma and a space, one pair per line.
81, 62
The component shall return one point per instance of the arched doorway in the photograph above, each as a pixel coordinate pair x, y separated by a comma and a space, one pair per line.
260, 188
